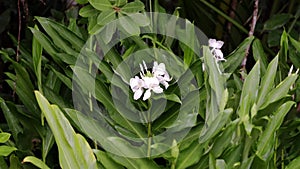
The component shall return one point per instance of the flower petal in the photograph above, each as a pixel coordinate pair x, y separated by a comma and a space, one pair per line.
158, 89
138, 94
215, 44
147, 94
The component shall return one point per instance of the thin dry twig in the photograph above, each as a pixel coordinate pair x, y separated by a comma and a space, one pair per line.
251, 32
19, 30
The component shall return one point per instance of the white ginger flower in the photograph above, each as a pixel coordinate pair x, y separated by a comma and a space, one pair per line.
216, 49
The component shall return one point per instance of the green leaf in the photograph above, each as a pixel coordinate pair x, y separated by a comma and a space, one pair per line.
74, 151
133, 7
235, 59
62, 36
106, 17
277, 21
284, 47
106, 160
120, 2
259, 54
35, 161
4, 137
294, 164
295, 43
37, 50
87, 11
56, 36
67, 81
190, 156
44, 41
135, 163
128, 26
6, 150
101, 5
248, 96
266, 142
267, 81
212, 130
12, 121
140, 19
280, 91
222, 141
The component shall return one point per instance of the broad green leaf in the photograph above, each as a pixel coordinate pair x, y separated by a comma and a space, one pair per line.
171, 97
6, 150
106, 160
3, 164
233, 155
106, 17
246, 164
190, 156
295, 43
101, 5
284, 47
12, 121
294, 57
133, 7
93, 27
109, 32
35, 161
215, 127
140, 19
44, 41
135, 163
267, 81
65, 33
120, 2
48, 141
235, 59
62, 36
222, 141
294, 164
259, 55
280, 91
216, 77
273, 38
277, 21
128, 26
191, 137
74, 151
102, 94
212, 160
87, 11
24, 87
63, 78
4, 137
266, 142
249, 95
37, 50
56, 36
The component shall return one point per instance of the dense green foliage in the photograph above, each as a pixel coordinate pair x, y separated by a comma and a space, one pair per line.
68, 102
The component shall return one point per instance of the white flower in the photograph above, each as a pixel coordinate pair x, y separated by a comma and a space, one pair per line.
159, 71
151, 83
215, 44
216, 49
137, 85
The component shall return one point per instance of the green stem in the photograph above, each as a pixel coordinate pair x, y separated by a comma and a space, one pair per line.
225, 16
149, 140
149, 135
